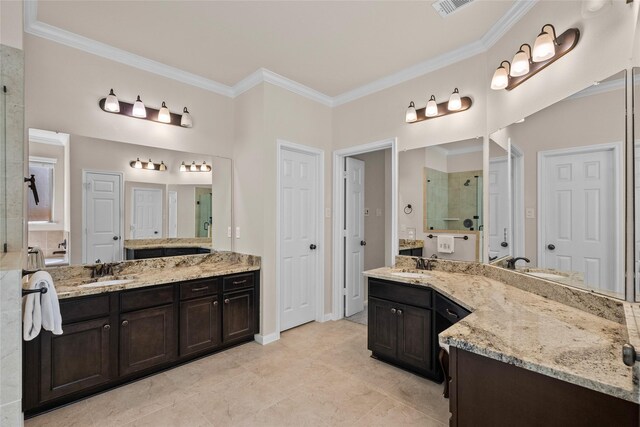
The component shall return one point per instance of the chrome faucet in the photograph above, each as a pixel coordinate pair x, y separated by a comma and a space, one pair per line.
511, 263
101, 270
422, 264
431, 261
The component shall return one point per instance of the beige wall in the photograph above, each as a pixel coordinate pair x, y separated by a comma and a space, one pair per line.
374, 198
11, 24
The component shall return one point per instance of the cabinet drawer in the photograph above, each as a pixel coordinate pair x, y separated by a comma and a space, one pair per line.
399, 292
148, 253
147, 297
237, 281
449, 309
180, 251
77, 309
199, 288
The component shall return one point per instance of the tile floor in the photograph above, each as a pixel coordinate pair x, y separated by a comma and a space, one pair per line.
361, 317
319, 374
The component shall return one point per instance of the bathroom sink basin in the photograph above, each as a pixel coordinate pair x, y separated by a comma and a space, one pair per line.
549, 276
408, 275
106, 283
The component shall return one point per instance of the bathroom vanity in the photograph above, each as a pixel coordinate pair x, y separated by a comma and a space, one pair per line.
141, 324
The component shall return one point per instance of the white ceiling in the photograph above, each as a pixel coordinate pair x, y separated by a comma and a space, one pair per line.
332, 47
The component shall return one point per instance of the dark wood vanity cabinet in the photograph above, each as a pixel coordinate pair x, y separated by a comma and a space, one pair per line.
113, 338
163, 252
411, 252
401, 326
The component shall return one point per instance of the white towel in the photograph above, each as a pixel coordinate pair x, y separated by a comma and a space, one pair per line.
42, 310
445, 243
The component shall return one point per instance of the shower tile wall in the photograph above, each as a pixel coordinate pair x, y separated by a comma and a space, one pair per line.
463, 198
438, 199
48, 241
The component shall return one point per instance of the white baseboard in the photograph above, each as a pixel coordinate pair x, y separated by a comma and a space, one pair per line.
326, 317
266, 339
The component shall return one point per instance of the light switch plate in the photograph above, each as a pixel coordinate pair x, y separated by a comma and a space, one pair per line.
378, 212
530, 213
237, 232
366, 211
229, 231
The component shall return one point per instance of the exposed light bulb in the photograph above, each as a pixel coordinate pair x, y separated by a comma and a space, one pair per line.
500, 78
186, 120
411, 115
183, 167
111, 104
150, 165
138, 109
520, 63
138, 164
432, 107
193, 167
164, 115
545, 45
455, 103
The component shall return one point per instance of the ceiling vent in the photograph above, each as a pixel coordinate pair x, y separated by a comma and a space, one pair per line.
447, 7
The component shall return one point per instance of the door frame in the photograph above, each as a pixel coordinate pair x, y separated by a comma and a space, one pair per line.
618, 209
84, 209
517, 192
133, 206
337, 293
318, 153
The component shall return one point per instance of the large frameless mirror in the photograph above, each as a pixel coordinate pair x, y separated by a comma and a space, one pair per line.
566, 166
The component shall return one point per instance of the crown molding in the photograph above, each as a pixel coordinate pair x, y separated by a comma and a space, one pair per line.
609, 86
262, 75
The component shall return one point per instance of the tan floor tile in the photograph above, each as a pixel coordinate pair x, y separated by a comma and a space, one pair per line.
75, 415
180, 414
391, 412
423, 395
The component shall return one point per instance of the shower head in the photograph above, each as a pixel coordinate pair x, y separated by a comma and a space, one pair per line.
466, 184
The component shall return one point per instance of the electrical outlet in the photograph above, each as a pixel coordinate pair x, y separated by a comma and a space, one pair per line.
530, 213
378, 212
366, 211
237, 232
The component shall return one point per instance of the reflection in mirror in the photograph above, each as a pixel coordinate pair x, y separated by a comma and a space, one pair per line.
636, 178
570, 158
100, 206
500, 231
443, 184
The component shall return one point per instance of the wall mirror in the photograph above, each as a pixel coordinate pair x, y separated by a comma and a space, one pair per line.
443, 185
566, 168
500, 234
636, 178
96, 202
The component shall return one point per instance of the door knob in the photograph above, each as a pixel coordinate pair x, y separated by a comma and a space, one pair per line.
155, 232
115, 237
551, 246
312, 246
363, 243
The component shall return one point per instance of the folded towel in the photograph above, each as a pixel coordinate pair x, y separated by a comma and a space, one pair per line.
42, 310
445, 244
35, 259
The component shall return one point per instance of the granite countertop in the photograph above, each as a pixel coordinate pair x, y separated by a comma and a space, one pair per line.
410, 244
151, 272
197, 242
521, 328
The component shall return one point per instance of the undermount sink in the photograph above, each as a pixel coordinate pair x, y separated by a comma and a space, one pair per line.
106, 283
546, 275
408, 275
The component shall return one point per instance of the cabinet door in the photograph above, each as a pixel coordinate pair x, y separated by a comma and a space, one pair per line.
76, 360
147, 338
415, 336
199, 324
238, 316
382, 328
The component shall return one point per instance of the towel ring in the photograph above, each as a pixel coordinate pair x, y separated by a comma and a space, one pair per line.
408, 209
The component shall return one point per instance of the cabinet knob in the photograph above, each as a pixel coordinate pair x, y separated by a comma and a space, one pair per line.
107, 327
393, 310
215, 303
125, 322
226, 301
399, 312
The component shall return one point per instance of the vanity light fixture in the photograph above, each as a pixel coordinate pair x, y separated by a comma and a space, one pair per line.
433, 109
164, 115
527, 62
521, 61
137, 109
137, 164
183, 167
195, 167
111, 103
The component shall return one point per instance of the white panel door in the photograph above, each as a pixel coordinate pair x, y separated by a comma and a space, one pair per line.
146, 217
499, 209
173, 214
103, 217
578, 223
299, 189
354, 232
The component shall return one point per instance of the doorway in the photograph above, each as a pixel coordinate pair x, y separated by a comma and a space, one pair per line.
364, 231
146, 205
102, 217
300, 229
586, 180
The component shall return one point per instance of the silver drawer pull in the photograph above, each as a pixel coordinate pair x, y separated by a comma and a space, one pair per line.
199, 289
240, 282
452, 314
